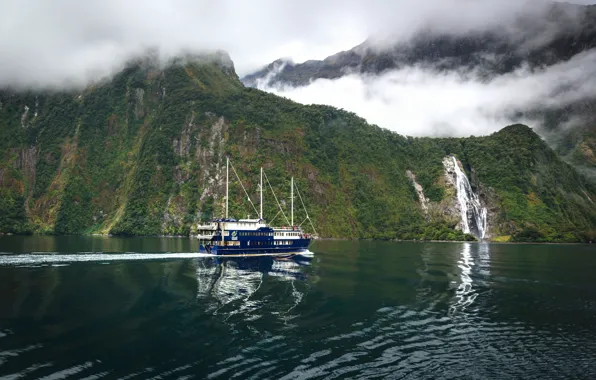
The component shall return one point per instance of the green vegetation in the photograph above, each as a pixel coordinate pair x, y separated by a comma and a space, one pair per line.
144, 154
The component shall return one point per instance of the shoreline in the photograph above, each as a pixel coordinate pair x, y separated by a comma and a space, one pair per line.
321, 239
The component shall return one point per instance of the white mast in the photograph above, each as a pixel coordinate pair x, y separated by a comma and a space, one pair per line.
261, 216
292, 202
227, 172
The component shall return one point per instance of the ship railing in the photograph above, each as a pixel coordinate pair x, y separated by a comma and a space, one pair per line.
294, 228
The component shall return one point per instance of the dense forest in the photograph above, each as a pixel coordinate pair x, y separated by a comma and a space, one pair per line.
144, 154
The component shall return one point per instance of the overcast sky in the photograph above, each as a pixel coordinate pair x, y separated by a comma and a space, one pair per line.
45, 42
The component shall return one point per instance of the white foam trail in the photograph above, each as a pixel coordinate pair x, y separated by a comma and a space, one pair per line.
51, 258
37, 258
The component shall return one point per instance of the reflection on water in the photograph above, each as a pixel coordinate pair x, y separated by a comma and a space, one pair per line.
234, 282
465, 294
473, 258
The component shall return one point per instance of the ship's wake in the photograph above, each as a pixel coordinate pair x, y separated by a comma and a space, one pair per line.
52, 258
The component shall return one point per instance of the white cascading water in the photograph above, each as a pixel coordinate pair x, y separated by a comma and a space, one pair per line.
470, 207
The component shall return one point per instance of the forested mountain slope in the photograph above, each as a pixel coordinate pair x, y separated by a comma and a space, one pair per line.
144, 153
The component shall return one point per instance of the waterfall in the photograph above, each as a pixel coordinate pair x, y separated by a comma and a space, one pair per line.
473, 215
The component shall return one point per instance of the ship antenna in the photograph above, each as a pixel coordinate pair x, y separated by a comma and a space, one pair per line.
261, 193
292, 200
307, 216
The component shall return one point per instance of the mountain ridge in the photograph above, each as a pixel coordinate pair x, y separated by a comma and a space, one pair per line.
568, 30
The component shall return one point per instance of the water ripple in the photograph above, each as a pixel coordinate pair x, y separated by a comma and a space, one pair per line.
425, 311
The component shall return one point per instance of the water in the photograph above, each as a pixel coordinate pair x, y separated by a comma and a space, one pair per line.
353, 310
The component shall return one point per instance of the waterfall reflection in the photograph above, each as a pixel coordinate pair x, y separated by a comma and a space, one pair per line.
466, 293
484, 259
243, 286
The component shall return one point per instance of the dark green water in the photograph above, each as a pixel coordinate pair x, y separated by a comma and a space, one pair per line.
119, 308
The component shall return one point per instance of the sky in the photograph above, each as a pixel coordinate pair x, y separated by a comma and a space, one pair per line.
43, 42
65, 43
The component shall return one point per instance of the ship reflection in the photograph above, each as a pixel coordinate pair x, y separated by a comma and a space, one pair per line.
286, 268
247, 286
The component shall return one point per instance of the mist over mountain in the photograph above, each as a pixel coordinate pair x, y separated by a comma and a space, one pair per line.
533, 41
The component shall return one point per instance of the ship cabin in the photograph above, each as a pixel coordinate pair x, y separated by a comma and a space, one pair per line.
256, 235
205, 232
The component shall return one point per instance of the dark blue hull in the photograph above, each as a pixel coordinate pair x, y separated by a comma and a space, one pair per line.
301, 246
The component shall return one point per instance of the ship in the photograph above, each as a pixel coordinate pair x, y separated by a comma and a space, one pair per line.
255, 237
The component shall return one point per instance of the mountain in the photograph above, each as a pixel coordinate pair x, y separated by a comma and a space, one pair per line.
550, 37
144, 154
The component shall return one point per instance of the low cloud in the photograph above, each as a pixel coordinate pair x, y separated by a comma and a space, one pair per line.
70, 42
421, 101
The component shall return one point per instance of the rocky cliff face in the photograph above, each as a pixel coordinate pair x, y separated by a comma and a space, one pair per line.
462, 206
144, 154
